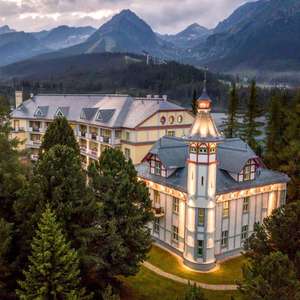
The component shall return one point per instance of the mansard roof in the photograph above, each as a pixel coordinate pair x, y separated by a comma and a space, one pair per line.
174, 152
129, 112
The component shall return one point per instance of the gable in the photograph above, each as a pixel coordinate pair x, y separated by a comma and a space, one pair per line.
104, 115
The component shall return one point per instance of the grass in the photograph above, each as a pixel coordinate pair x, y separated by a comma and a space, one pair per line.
228, 273
146, 285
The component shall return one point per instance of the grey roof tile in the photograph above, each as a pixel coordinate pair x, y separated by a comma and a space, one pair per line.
174, 152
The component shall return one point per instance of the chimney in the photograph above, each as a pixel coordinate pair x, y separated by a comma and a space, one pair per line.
165, 97
19, 95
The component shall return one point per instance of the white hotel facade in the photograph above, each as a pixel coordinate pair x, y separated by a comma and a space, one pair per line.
208, 192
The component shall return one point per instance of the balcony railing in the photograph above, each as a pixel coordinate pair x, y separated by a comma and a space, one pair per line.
94, 153
159, 212
105, 139
83, 149
82, 133
94, 136
19, 129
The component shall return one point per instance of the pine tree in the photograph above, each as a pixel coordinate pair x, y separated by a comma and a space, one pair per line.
59, 132
251, 127
194, 293
273, 277
124, 239
59, 180
232, 126
194, 102
108, 294
53, 272
275, 132
290, 153
5, 245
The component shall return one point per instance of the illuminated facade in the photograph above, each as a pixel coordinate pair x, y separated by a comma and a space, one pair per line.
208, 192
99, 121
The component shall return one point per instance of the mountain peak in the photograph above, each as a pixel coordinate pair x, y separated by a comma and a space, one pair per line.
6, 29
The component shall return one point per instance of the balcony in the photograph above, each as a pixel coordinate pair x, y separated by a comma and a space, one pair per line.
83, 149
93, 153
19, 129
34, 144
159, 212
105, 139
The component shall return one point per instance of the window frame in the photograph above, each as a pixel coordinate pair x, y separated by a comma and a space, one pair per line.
244, 233
246, 205
175, 234
156, 225
201, 216
200, 246
224, 239
225, 210
175, 205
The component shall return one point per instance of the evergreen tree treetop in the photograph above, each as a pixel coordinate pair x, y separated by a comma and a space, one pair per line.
53, 271
59, 132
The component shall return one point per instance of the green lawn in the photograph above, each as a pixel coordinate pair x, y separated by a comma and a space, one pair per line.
146, 285
228, 273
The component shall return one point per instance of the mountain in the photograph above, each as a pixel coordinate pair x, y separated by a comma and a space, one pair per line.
6, 29
259, 39
189, 37
16, 46
125, 33
64, 36
113, 73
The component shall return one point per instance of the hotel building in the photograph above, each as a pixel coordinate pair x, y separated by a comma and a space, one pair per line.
208, 191
132, 125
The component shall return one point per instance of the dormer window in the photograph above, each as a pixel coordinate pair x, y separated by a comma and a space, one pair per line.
193, 149
248, 172
203, 149
156, 167
59, 113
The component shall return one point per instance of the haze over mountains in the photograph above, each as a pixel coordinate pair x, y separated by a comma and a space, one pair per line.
259, 39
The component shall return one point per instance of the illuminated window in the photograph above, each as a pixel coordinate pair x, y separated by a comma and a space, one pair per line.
175, 233
246, 205
249, 171
212, 149
200, 248
156, 225
163, 120
225, 209
201, 216
175, 205
244, 233
224, 240
156, 197
180, 119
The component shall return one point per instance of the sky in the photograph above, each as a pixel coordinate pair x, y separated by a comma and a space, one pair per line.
164, 16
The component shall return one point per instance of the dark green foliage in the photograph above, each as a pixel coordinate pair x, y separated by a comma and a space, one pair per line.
290, 154
5, 246
275, 131
272, 277
59, 180
251, 127
53, 272
194, 102
59, 132
273, 253
108, 294
232, 125
194, 293
124, 239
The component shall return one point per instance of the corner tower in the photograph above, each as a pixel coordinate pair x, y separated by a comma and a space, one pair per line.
203, 142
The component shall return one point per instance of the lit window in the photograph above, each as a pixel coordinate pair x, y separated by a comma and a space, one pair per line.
224, 240
171, 133
156, 225
200, 248
244, 234
246, 205
201, 216
156, 197
249, 170
225, 209
212, 149
163, 120
175, 233
175, 205
180, 119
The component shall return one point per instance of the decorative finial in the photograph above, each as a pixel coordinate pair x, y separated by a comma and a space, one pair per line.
205, 79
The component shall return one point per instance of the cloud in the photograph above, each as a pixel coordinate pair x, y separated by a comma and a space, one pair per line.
167, 16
